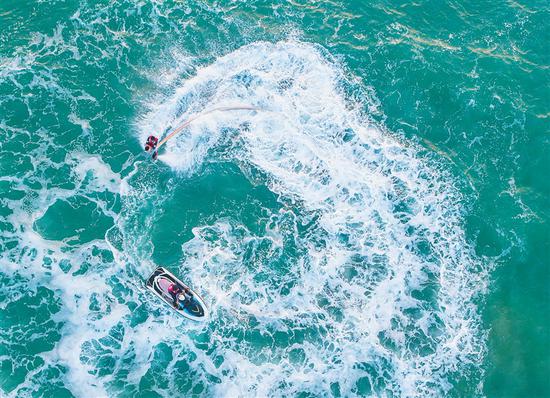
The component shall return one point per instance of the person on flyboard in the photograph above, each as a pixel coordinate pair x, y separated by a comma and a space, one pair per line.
151, 145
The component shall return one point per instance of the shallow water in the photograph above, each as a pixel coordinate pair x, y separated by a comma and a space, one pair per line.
376, 225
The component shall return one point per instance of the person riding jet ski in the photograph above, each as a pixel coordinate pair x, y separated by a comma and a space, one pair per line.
178, 294
151, 145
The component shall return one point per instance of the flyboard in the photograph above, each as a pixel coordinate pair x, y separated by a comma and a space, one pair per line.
153, 144
191, 307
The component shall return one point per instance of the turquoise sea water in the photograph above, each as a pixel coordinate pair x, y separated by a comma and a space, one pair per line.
377, 227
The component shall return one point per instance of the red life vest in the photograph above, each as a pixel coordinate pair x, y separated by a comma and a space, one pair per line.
174, 289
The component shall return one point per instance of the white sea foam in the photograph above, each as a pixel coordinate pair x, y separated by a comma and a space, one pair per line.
80, 276
94, 172
385, 274
376, 297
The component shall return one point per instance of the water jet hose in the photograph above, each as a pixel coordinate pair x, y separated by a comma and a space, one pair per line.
188, 121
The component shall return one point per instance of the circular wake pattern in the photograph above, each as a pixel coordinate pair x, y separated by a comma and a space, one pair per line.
349, 275
362, 282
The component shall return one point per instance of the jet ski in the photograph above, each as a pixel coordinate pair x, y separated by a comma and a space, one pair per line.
188, 305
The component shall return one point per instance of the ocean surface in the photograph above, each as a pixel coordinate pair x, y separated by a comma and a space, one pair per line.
376, 225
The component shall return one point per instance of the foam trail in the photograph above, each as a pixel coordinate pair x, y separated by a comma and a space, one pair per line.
383, 276
361, 282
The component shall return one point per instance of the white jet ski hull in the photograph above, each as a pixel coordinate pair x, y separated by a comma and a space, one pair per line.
158, 283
